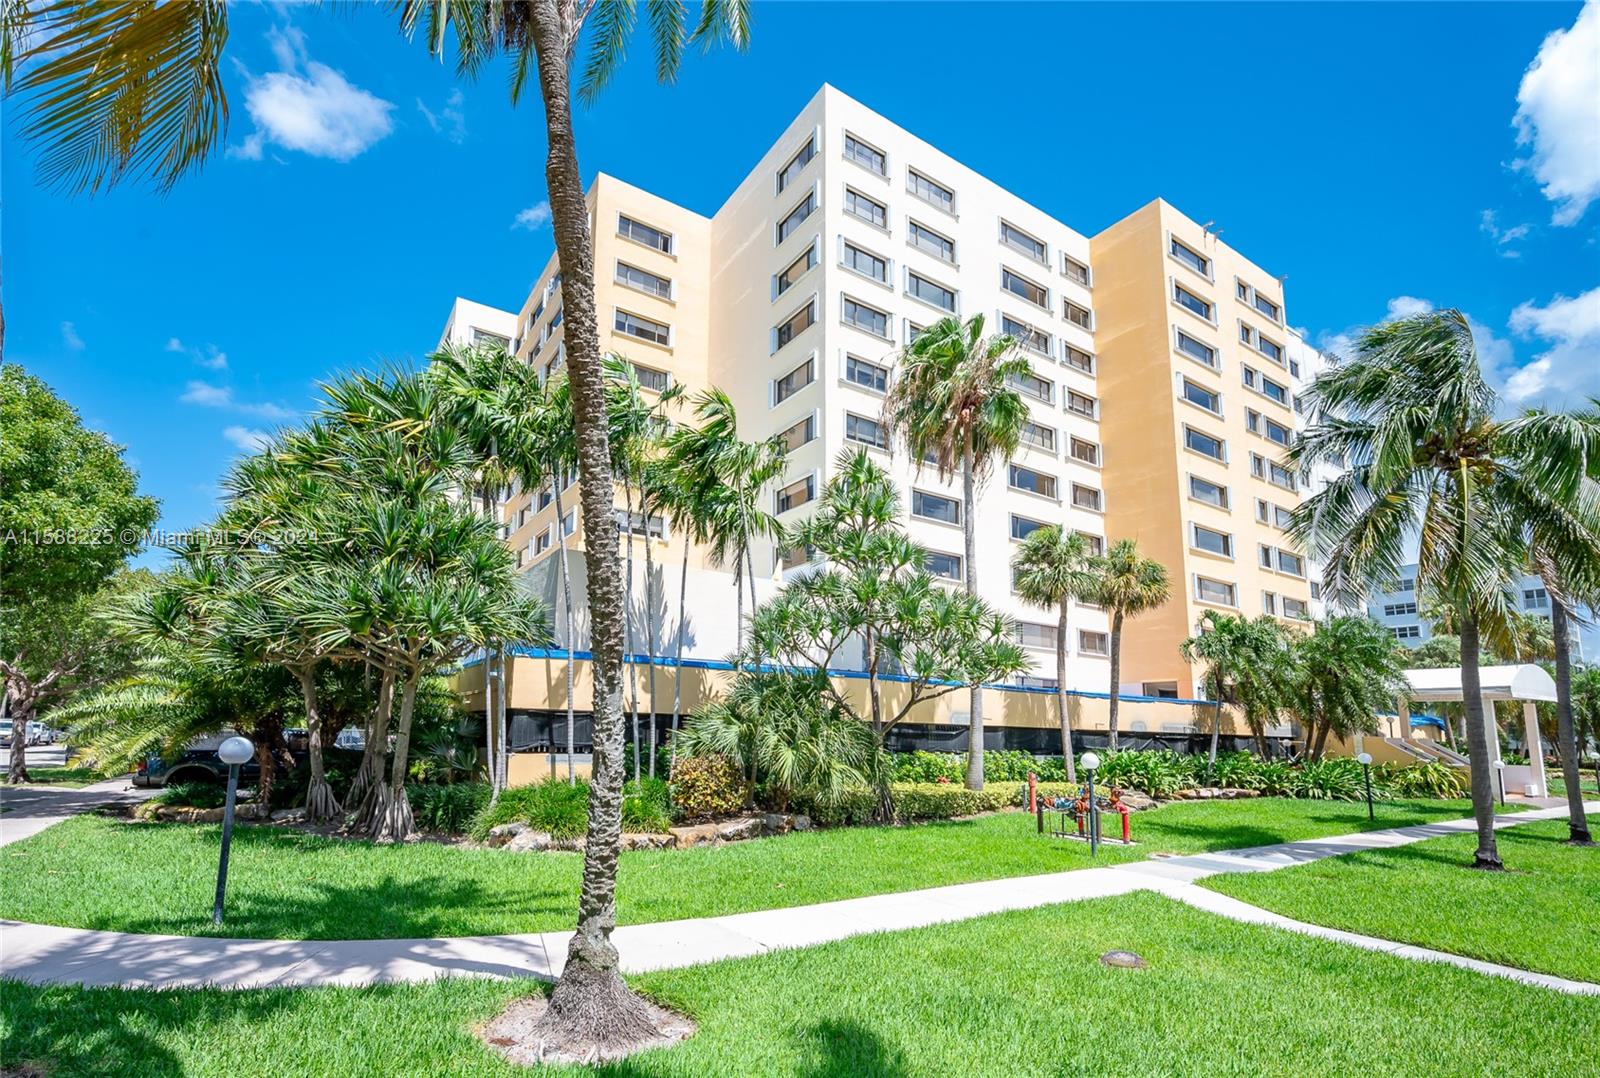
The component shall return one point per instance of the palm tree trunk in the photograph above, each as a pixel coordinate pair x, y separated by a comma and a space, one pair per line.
1561, 632
1061, 695
880, 769
1216, 730
650, 623
1116, 678
627, 619
677, 664
321, 805
373, 753
738, 592
1323, 728
393, 821
1483, 754
566, 599
969, 509
590, 1003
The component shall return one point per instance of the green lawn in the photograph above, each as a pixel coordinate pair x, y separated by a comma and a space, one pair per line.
1015, 994
1540, 915
68, 777
91, 872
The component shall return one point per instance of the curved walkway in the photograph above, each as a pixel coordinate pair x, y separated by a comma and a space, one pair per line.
42, 954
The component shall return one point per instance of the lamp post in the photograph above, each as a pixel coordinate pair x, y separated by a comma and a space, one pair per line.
1091, 763
1365, 760
1500, 773
233, 752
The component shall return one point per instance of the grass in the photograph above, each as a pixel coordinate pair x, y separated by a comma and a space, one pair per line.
1014, 994
91, 872
1540, 915
65, 777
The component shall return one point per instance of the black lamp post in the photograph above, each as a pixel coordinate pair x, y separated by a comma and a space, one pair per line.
233, 752
1365, 760
1091, 762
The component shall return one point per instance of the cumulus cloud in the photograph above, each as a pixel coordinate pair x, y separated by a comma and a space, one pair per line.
450, 121
1568, 370
70, 338
206, 395
1504, 238
210, 357
1407, 306
1558, 117
309, 107
247, 438
1495, 353
174, 345
533, 218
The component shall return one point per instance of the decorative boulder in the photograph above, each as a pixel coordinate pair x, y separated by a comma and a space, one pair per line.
528, 840
741, 827
501, 834
703, 834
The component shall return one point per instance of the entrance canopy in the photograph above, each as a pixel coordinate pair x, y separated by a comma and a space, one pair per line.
1526, 682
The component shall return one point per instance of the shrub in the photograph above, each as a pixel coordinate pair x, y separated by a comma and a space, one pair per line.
1431, 779
704, 787
339, 766
450, 808
1238, 770
926, 767
922, 801
1010, 765
1335, 779
204, 795
1157, 773
1277, 778
852, 809
644, 806
551, 805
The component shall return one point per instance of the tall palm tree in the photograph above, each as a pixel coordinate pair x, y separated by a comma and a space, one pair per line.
954, 401
1052, 568
1127, 585
1345, 673
1413, 419
554, 451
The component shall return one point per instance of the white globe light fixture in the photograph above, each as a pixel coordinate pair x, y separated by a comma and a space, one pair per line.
1500, 773
1365, 760
1091, 761
233, 752
1091, 764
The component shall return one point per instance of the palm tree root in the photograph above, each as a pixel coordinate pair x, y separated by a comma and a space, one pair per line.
1579, 836
391, 815
321, 805
1488, 862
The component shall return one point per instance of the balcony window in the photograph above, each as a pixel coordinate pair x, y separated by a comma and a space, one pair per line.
799, 434
935, 507
1084, 452
1077, 359
1296, 609
1195, 349
1018, 240
792, 221
1075, 270
865, 263
941, 565
638, 232
797, 494
651, 379
869, 210
1082, 404
867, 375
643, 280
1191, 258
1019, 285
1030, 634
541, 542
797, 163
1211, 541
1204, 490
1202, 397
927, 291
1038, 388
1028, 337
634, 523
1093, 642
866, 318
793, 382
926, 239
1033, 482
866, 156
1077, 315
1188, 300
1087, 498
1039, 436
794, 325
866, 431
935, 194
796, 269
1204, 444
1535, 599
1216, 592
641, 328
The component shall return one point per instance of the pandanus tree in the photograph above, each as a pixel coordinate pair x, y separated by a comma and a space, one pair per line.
1127, 585
954, 402
1414, 421
1052, 569
1343, 675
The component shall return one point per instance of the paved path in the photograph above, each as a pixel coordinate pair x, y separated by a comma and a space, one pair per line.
42, 954
27, 810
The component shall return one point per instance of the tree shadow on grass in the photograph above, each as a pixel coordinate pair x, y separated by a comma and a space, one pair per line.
831, 1048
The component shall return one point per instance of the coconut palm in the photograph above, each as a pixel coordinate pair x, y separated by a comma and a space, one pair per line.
1344, 674
1246, 665
1127, 585
1052, 569
954, 402
1414, 421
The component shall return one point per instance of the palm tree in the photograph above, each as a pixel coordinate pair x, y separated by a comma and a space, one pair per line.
954, 402
1051, 569
1246, 665
1414, 420
1345, 673
553, 449
1127, 585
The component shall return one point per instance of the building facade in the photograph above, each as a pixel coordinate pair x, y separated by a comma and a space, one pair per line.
1398, 609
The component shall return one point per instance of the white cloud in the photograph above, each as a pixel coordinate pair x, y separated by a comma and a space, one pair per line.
1407, 306
309, 107
533, 218
210, 357
1568, 371
207, 395
70, 338
1558, 116
247, 438
1489, 224
449, 121
174, 345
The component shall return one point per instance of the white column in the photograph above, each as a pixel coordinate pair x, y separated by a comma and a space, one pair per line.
1530, 726
1491, 732
1405, 720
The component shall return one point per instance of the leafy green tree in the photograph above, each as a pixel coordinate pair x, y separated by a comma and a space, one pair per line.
954, 402
1053, 568
1127, 585
1246, 664
1344, 673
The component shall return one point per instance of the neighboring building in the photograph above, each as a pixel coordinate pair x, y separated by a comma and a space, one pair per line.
1399, 611
1161, 401
475, 323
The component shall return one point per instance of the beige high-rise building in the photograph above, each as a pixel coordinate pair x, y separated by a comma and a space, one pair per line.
1157, 407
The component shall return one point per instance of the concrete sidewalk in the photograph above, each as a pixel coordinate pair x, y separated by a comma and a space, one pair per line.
27, 810
42, 954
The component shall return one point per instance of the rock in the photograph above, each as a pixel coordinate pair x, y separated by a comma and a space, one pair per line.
576, 844
1136, 801
739, 828
803, 823
703, 834
645, 840
289, 816
776, 823
504, 833
527, 840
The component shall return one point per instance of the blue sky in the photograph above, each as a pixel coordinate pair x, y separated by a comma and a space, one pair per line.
1381, 156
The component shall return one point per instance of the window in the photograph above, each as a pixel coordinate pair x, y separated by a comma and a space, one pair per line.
1406, 583
1082, 404
1296, 609
927, 291
1091, 642
799, 434
1204, 490
1075, 270
1202, 397
1022, 527
643, 280
1034, 386
1316, 589
1188, 300
933, 193
1191, 258
1275, 515
791, 223
569, 523
794, 557
913, 331
1194, 349
1211, 541
865, 263
1269, 603
797, 163
1087, 498
1248, 294
494, 340
524, 515
541, 542
1275, 391
1097, 547
797, 493
866, 431
1077, 315
1282, 560
546, 496
1084, 452
638, 232
1407, 632
650, 378
1031, 634
635, 524
1270, 349
1535, 599
644, 329
792, 326
944, 566
1018, 240
1033, 482
1033, 340
1039, 436
858, 205
797, 269
865, 374
866, 318
1205, 444
1271, 471
940, 247
1276, 432
1216, 592
866, 156
1019, 285
1028, 681
793, 382
935, 507
1077, 359
1395, 610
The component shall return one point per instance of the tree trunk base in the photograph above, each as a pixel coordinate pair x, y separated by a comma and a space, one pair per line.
321, 805
1576, 837
885, 812
1488, 862
392, 820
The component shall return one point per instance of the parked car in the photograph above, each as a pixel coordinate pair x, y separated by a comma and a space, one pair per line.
5, 733
198, 763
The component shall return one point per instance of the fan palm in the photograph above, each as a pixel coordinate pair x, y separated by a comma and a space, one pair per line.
1051, 569
1412, 418
954, 402
1344, 674
1246, 665
1127, 585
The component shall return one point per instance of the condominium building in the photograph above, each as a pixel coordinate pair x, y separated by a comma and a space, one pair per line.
1160, 400
1398, 609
